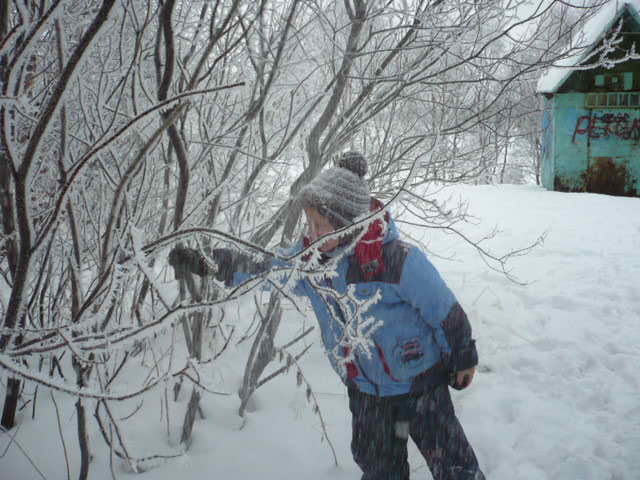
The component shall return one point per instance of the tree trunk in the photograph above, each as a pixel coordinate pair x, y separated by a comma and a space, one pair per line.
83, 440
262, 351
193, 328
8, 227
190, 417
11, 403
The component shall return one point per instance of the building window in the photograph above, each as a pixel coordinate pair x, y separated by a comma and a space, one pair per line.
614, 81
624, 100
628, 80
613, 100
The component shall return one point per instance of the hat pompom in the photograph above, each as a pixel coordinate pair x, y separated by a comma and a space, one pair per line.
354, 162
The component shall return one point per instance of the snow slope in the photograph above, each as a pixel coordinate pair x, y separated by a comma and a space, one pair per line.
556, 395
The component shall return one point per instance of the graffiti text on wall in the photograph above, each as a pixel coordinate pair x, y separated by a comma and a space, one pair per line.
608, 125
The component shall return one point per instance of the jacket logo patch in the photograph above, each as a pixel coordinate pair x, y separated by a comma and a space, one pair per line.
409, 350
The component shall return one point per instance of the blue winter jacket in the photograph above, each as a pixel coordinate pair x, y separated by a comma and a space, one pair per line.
423, 337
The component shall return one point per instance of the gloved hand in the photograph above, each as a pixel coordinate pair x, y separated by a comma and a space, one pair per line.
462, 379
187, 260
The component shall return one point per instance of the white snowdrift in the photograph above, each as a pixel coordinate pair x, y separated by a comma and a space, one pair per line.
556, 396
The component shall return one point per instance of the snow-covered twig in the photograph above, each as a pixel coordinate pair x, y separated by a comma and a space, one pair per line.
64, 446
137, 461
310, 396
14, 441
281, 370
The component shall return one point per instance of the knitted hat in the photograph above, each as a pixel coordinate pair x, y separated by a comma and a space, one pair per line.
339, 193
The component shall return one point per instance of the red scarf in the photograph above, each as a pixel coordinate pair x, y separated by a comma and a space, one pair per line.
368, 250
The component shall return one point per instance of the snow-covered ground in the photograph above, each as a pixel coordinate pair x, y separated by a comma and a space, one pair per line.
557, 394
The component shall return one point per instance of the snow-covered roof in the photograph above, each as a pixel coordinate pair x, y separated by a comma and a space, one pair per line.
584, 42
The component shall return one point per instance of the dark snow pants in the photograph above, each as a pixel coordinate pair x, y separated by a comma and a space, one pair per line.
433, 426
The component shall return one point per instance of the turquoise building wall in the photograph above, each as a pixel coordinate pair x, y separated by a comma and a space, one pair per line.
575, 137
548, 164
592, 117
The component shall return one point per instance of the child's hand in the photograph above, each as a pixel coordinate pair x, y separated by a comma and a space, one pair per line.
187, 260
463, 378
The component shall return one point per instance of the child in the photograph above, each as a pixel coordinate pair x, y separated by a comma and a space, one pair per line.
400, 387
